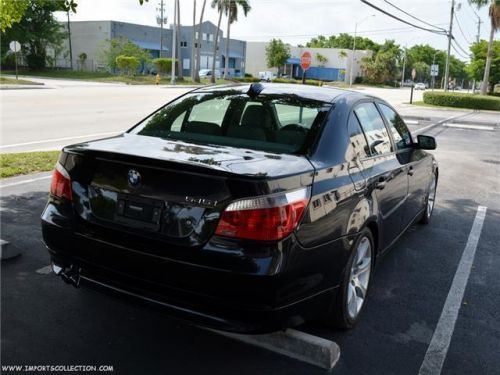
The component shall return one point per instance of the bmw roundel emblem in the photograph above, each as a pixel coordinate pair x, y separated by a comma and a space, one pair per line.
134, 177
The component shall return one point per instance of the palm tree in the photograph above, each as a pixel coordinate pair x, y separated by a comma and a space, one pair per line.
198, 46
494, 13
178, 31
221, 6
232, 11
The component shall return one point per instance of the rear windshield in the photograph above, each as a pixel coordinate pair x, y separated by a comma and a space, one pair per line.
273, 123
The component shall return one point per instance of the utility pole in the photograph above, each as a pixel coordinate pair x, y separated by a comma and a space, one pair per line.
174, 44
161, 20
403, 72
354, 46
352, 55
478, 36
450, 36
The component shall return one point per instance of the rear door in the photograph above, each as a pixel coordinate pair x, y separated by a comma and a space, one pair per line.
384, 172
416, 167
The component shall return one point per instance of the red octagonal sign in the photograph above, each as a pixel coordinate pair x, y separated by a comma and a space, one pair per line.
305, 60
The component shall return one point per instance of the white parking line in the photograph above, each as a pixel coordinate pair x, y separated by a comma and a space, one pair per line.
25, 181
440, 342
44, 270
59, 139
471, 127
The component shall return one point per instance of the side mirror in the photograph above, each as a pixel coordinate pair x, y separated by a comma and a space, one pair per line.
426, 142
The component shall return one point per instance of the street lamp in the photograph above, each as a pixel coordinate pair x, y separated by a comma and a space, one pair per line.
354, 45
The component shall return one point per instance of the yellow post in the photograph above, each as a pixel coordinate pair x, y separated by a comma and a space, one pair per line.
157, 80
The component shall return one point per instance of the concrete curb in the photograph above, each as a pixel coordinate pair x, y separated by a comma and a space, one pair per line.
295, 344
6, 251
23, 87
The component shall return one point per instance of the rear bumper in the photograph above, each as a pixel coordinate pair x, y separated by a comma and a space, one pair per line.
284, 290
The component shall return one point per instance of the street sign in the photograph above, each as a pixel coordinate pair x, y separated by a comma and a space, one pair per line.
434, 70
15, 46
413, 74
305, 60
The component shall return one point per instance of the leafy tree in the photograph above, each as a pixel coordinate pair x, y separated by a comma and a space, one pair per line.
423, 71
128, 64
82, 58
382, 67
475, 69
277, 53
11, 12
36, 30
122, 46
232, 15
163, 65
322, 60
494, 12
343, 40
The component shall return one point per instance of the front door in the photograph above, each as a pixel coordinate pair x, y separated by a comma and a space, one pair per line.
384, 172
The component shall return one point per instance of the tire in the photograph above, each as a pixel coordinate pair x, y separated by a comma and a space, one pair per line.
343, 312
430, 201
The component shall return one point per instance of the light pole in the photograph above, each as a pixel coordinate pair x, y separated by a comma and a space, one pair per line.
433, 76
354, 46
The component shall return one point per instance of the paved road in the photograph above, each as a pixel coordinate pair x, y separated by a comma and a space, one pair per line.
47, 322
72, 111
68, 111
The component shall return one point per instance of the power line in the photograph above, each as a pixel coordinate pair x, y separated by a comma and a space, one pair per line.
459, 46
464, 54
365, 32
402, 20
461, 31
412, 16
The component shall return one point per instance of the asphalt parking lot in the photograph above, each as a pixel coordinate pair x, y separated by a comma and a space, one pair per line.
47, 322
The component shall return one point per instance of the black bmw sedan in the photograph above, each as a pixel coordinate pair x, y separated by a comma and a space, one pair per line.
247, 208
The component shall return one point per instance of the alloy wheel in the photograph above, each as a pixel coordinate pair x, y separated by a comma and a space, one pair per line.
359, 278
432, 196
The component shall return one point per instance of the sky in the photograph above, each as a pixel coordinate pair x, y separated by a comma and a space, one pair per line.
297, 21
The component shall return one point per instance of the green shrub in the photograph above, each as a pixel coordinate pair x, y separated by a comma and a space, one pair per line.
250, 79
163, 64
460, 100
311, 82
128, 64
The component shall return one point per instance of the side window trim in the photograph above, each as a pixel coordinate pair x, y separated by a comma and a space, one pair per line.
392, 152
352, 113
389, 131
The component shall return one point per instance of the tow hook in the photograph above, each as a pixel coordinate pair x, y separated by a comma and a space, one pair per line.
70, 276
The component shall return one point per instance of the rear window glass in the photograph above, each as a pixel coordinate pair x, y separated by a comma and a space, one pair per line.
274, 123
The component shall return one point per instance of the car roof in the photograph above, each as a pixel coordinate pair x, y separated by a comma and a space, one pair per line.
323, 94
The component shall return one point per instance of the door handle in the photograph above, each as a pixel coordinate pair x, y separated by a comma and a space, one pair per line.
410, 171
381, 183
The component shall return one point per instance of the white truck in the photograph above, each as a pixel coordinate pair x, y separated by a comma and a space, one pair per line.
267, 76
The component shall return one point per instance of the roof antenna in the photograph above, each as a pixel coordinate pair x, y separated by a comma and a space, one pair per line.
255, 89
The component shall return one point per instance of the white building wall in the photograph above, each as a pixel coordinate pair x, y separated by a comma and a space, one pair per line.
256, 58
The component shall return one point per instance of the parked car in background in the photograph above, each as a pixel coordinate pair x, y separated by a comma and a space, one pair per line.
207, 73
420, 86
248, 208
267, 76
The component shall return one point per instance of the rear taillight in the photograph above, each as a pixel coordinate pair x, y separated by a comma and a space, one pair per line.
61, 183
267, 218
